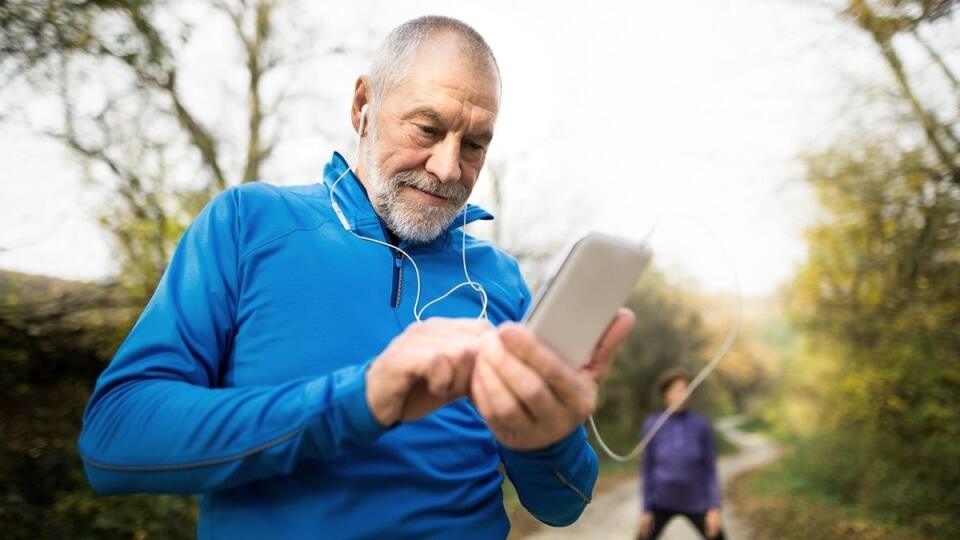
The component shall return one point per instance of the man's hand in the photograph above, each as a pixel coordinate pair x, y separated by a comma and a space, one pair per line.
712, 524
424, 368
528, 395
645, 526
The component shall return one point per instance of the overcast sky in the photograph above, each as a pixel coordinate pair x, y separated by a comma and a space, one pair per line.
614, 117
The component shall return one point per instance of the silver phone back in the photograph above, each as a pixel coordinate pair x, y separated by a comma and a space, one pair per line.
576, 304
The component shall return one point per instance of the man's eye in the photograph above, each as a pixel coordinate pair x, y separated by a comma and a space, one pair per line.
427, 130
474, 146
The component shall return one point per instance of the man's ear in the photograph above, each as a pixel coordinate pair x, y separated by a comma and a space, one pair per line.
360, 100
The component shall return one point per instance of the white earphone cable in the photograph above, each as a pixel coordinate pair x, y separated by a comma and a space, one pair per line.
417, 310
725, 347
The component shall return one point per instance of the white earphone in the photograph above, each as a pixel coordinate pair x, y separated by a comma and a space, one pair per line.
363, 120
417, 310
333, 202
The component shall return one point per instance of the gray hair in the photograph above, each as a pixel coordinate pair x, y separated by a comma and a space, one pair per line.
392, 59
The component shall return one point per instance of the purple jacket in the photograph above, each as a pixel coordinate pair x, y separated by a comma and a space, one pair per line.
679, 466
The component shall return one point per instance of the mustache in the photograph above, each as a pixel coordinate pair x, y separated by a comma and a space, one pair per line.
453, 191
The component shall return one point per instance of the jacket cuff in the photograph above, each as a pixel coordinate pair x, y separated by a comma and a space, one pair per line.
347, 418
561, 455
356, 408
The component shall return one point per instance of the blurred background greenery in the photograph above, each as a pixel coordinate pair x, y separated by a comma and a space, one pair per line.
853, 366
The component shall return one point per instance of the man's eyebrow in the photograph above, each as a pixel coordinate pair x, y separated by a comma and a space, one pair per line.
429, 112
484, 135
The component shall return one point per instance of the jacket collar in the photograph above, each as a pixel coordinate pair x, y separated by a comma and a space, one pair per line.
352, 198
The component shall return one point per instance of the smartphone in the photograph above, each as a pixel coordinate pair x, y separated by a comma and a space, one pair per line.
588, 284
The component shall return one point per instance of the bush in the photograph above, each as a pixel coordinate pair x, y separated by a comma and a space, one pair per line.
55, 339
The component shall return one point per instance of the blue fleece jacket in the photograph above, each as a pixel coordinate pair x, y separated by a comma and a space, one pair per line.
243, 381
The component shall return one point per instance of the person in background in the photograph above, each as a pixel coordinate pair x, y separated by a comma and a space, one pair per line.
679, 475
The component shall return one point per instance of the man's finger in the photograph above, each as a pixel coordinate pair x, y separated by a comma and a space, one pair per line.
557, 374
440, 375
447, 368
504, 433
617, 331
506, 407
448, 326
480, 395
526, 384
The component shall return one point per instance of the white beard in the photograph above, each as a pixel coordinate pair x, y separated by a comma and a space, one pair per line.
408, 218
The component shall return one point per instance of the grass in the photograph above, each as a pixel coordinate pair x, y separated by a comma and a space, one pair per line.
723, 445
511, 500
780, 504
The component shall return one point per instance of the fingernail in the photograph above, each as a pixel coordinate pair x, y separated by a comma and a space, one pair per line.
509, 334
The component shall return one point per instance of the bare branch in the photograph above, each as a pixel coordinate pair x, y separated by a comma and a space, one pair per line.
160, 56
937, 59
257, 65
882, 30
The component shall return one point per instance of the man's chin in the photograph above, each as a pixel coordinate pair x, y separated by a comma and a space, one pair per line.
415, 235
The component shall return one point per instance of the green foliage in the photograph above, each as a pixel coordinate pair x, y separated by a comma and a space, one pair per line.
722, 444
146, 236
55, 338
878, 300
782, 502
43, 493
879, 304
755, 424
70, 325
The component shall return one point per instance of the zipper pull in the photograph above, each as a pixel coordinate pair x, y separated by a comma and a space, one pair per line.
398, 260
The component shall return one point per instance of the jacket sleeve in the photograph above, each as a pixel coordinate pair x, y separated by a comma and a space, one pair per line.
554, 484
648, 466
156, 421
712, 482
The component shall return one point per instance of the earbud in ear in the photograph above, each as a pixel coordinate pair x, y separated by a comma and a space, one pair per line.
363, 120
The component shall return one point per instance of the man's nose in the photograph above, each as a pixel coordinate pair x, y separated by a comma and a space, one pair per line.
444, 162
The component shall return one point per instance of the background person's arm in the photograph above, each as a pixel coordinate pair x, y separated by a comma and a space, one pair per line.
648, 466
710, 478
645, 524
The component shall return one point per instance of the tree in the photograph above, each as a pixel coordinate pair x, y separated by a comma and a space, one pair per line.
129, 112
885, 20
878, 300
127, 106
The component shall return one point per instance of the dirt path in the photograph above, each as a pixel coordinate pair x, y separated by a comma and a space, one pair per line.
613, 514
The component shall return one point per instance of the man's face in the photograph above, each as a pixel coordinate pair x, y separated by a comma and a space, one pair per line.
428, 139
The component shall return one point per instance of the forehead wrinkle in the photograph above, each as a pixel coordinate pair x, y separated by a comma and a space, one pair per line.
463, 112
461, 89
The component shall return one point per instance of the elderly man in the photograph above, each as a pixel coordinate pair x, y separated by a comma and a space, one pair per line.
280, 369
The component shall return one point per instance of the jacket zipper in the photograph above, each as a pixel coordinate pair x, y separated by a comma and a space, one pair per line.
397, 290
